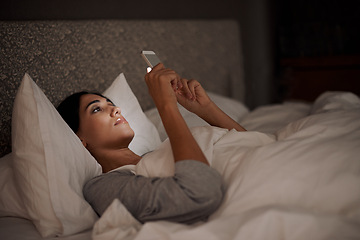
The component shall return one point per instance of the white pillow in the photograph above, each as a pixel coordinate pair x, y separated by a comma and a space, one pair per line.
235, 109
44, 146
333, 101
11, 205
50, 165
146, 136
271, 118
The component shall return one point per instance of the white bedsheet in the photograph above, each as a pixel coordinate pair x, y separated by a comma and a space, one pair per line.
301, 181
295, 175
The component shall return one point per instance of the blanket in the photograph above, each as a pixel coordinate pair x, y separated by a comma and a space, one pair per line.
299, 182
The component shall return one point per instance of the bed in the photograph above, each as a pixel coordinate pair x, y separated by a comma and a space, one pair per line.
295, 174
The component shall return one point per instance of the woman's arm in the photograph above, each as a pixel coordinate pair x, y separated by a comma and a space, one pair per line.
193, 97
162, 84
192, 194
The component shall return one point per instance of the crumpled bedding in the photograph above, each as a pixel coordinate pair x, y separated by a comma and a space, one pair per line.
298, 182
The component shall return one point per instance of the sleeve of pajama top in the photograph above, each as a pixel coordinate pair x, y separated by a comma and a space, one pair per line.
192, 194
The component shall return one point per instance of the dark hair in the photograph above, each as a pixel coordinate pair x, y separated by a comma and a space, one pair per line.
69, 109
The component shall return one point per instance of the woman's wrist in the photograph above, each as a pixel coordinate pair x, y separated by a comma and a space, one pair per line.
214, 116
209, 112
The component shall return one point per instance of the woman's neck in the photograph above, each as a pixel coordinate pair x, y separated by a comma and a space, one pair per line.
112, 159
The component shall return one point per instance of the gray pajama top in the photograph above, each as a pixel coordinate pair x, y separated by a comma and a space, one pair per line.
192, 194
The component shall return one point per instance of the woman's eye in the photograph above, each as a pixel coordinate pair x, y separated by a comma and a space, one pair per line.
96, 109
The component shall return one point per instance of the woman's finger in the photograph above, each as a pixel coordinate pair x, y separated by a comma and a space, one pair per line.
186, 90
192, 86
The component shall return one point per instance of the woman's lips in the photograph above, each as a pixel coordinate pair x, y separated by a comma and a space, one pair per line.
120, 120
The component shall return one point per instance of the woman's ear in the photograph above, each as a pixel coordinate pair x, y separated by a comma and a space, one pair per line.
83, 143
82, 140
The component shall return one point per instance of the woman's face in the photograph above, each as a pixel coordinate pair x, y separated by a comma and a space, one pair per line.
101, 124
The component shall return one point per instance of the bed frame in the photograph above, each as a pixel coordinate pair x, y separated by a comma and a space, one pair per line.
68, 56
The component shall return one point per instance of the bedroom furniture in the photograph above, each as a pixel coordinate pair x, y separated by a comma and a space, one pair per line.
305, 78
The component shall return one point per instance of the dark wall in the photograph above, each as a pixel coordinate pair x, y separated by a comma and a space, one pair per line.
317, 47
311, 28
109, 9
270, 29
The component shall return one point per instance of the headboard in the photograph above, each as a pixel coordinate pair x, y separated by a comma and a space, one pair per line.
68, 56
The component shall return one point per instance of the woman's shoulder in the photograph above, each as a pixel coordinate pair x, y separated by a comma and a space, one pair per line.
106, 178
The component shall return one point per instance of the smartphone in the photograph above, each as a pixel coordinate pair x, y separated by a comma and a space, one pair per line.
150, 58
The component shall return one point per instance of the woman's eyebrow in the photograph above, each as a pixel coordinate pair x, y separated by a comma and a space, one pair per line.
108, 100
92, 102
96, 101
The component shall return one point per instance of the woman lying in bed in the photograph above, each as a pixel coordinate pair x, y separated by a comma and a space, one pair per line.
192, 194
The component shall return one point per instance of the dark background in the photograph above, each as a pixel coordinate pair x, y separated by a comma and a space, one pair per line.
292, 49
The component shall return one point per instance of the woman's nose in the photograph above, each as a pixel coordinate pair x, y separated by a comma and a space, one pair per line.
115, 111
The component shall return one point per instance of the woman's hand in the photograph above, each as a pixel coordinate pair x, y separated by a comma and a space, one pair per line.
192, 96
162, 84
167, 88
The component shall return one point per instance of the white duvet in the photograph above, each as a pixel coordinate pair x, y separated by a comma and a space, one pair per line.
300, 181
